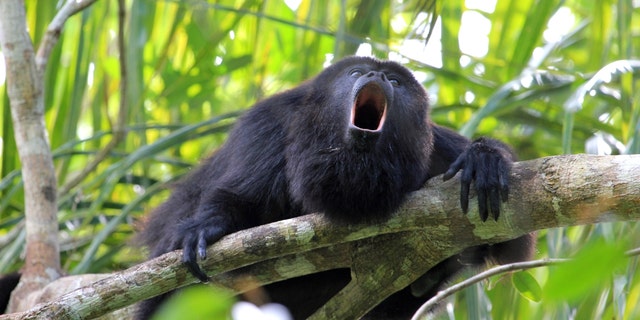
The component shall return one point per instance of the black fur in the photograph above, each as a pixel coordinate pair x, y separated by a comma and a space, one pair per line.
351, 143
7, 284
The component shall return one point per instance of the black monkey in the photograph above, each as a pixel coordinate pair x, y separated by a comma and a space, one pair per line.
351, 143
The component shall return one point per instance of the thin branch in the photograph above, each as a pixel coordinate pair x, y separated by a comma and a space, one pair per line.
424, 310
54, 30
633, 252
119, 131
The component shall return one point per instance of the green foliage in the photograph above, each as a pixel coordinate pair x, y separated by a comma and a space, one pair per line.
593, 266
198, 303
546, 76
527, 286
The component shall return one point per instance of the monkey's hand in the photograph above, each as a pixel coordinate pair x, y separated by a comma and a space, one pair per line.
487, 162
197, 234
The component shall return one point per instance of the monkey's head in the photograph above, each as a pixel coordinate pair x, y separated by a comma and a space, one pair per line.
372, 100
361, 140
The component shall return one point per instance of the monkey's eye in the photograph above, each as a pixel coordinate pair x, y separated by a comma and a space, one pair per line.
394, 82
356, 73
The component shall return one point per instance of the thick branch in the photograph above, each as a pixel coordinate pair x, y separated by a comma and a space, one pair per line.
550, 192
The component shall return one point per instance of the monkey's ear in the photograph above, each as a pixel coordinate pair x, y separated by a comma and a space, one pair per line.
487, 163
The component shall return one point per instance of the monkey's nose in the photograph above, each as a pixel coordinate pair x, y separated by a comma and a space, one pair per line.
372, 74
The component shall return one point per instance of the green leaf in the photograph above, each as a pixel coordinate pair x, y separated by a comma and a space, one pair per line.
527, 286
197, 302
591, 269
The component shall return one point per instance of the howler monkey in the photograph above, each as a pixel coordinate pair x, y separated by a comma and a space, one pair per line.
350, 143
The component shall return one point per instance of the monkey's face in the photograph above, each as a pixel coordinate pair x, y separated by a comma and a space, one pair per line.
374, 100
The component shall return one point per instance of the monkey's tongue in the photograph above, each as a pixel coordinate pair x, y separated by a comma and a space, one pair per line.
369, 111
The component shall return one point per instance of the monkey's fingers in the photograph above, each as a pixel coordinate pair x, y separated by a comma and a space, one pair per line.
197, 272
465, 183
191, 261
482, 204
454, 167
464, 197
494, 202
209, 234
202, 245
504, 190
503, 179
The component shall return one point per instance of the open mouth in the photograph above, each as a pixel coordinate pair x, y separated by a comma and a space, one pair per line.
369, 111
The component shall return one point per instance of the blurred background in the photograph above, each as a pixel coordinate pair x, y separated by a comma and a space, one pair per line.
548, 77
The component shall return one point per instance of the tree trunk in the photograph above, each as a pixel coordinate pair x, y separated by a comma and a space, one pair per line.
26, 96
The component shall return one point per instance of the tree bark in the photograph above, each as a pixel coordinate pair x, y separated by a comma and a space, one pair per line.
545, 193
25, 90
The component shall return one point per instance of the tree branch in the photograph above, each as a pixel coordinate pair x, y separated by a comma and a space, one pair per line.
549, 192
424, 310
119, 131
438, 298
54, 30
